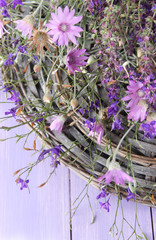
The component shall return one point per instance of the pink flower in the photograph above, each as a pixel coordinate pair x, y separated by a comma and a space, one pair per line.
135, 93
57, 123
115, 173
139, 111
73, 60
62, 26
97, 130
26, 25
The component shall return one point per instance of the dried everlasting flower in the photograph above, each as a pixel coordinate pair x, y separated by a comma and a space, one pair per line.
62, 26
115, 173
25, 25
74, 60
39, 40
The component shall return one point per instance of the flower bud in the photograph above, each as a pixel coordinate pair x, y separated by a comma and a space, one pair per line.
47, 98
74, 103
91, 60
37, 68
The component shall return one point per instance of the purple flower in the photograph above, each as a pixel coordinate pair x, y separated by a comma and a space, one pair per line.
89, 123
24, 184
98, 129
130, 195
55, 153
102, 194
12, 111
115, 173
22, 49
94, 105
83, 111
15, 97
7, 89
16, 2
149, 129
74, 60
62, 26
57, 123
9, 60
3, 3
113, 109
105, 205
117, 124
5, 13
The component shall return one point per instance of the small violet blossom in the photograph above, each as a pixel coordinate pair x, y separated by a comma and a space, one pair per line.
102, 194
113, 109
24, 184
3, 3
130, 195
57, 123
105, 205
14, 97
62, 26
149, 129
16, 2
55, 153
74, 60
117, 124
115, 173
9, 60
25, 25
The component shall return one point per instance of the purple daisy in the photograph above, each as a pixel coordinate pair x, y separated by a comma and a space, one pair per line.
62, 26
57, 123
135, 93
25, 25
115, 173
74, 60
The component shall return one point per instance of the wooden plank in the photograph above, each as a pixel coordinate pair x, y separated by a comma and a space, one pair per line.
40, 214
153, 212
81, 222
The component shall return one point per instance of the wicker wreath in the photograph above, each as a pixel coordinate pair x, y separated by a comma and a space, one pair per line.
54, 90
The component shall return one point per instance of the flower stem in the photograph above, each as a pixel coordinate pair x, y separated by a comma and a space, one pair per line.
38, 8
116, 150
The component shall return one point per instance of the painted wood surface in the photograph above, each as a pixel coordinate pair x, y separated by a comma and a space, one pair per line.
44, 214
